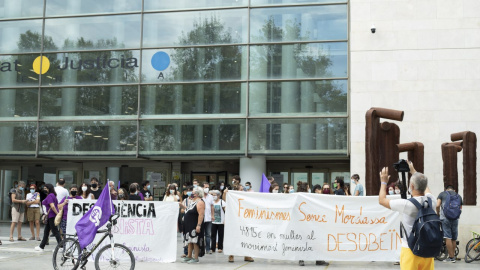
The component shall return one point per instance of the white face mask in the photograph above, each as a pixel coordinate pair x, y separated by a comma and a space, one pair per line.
221, 187
309, 191
84, 188
205, 190
215, 198
397, 191
172, 191
391, 192
275, 191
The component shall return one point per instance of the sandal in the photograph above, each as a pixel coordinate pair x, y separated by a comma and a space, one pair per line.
21, 239
11, 239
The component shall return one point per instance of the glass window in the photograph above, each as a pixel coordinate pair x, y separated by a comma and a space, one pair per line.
298, 97
18, 70
297, 61
282, 2
195, 28
215, 98
18, 103
89, 101
21, 8
106, 32
18, 138
70, 7
104, 67
89, 137
20, 36
317, 135
298, 23
194, 64
191, 136
188, 4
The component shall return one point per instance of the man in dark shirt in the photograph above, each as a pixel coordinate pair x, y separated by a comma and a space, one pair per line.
450, 227
133, 193
147, 195
96, 190
340, 186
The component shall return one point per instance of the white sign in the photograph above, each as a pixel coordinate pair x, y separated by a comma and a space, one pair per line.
305, 226
147, 228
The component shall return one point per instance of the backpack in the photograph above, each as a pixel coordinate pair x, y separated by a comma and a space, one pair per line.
426, 238
452, 206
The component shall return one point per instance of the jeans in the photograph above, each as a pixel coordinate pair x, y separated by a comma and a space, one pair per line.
50, 226
450, 228
208, 235
220, 229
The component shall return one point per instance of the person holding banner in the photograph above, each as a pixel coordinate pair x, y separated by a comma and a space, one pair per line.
274, 188
194, 229
218, 221
51, 205
64, 205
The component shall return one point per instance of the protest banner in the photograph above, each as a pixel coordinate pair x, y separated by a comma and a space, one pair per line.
305, 226
147, 228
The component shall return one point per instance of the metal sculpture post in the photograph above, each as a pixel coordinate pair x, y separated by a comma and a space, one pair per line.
416, 156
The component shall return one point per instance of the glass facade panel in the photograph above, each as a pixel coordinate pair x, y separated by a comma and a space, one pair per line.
71, 7
191, 136
89, 101
103, 67
297, 61
18, 103
195, 64
16, 70
195, 28
298, 97
18, 138
298, 23
21, 8
187, 4
284, 2
215, 98
20, 36
102, 32
88, 137
299, 136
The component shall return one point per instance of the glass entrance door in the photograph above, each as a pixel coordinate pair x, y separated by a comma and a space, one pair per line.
7, 178
311, 176
158, 179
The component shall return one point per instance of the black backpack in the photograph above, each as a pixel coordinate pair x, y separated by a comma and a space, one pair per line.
426, 238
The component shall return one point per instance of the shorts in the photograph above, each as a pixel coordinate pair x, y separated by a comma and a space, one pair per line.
410, 261
450, 228
16, 216
33, 213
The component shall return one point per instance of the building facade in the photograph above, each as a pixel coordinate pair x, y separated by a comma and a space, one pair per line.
170, 91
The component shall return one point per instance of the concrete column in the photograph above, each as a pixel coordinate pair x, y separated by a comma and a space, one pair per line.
113, 174
251, 170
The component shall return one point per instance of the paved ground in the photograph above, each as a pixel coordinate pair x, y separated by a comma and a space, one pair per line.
20, 255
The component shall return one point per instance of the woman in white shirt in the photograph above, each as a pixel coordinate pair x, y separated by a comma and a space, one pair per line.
86, 192
33, 211
171, 195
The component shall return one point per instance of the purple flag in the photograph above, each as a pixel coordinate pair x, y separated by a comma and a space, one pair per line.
265, 186
95, 218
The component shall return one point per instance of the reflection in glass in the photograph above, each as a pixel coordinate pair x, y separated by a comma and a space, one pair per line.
94, 136
21, 9
16, 70
104, 67
195, 28
18, 137
296, 61
102, 32
89, 101
280, 2
18, 103
188, 4
217, 98
197, 64
298, 23
70, 7
298, 97
20, 36
328, 135
193, 136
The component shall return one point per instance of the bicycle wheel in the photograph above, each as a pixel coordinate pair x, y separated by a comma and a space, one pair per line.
123, 259
473, 251
442, 255
66, 254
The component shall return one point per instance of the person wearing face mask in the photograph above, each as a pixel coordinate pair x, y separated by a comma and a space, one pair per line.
86, 193
291, 189
340, 187
194, 227
208, 199
218, 221
18, 210
195, 183
326, 189
64, 205
51, 210
171, 195
358, 191
398, 189
147, 194
133, 193
95, 188
274, 188
248, 187
391, 190
187, 201
33, 211
122, 194
317, 189
113, 192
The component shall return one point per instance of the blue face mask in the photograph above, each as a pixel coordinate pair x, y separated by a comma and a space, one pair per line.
247, 187
189, 193
391, 192
21, 188
32, 190
148, 187
194, 186
291, 191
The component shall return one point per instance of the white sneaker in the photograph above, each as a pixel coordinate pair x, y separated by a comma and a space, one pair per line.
38, 249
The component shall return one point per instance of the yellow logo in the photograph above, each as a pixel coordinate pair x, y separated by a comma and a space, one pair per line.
42, 64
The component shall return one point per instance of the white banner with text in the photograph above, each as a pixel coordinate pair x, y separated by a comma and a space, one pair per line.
147, 228
305, 226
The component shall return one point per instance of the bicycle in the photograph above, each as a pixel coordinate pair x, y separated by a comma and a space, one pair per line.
67, 255
473, 248
444, 251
